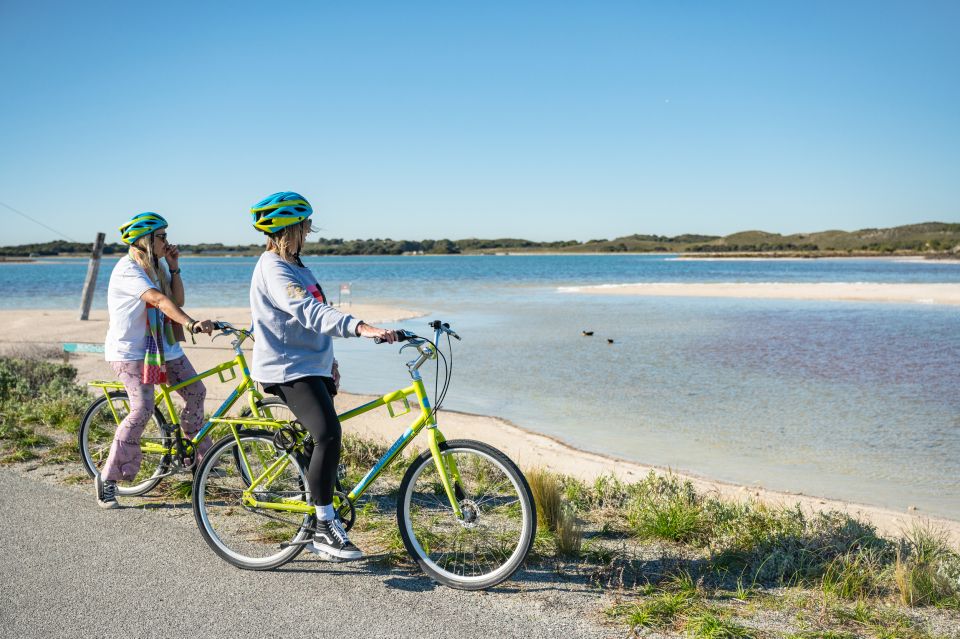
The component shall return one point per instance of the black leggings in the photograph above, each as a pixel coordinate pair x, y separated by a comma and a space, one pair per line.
309, 399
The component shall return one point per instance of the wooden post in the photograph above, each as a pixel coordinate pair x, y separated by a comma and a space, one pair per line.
91, 282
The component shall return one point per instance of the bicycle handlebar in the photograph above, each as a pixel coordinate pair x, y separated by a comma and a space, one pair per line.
226, 328
402, 336
437, 325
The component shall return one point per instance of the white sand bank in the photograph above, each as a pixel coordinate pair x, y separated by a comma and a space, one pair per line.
40, 330
841, 291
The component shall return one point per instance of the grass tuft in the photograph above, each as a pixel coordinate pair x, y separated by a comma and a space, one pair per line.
556, 518
666, 508
63, 453
547, 495
927, 569
711, 624
858, 574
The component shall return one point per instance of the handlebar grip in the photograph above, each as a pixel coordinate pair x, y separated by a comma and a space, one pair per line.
402, 336
217, 326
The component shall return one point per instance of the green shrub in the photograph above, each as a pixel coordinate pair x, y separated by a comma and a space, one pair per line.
38, 392
22, 379
665, 508
927, 569
858, 574
19, 443
783, 545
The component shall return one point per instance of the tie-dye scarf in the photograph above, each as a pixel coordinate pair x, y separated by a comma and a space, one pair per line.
159, 332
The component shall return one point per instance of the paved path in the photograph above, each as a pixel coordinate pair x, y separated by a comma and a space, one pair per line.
70, 569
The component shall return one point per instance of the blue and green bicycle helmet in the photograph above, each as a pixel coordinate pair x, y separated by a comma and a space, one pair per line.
282, 209
139, 225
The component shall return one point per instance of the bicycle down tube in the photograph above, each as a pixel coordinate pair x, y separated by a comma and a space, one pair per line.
427, 419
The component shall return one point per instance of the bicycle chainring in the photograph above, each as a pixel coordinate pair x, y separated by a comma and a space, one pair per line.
345, 509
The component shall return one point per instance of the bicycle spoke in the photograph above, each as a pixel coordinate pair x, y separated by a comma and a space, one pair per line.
494, 531
97, 433
243, 534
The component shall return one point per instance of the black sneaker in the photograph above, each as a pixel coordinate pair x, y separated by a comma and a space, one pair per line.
106, 492
331, 540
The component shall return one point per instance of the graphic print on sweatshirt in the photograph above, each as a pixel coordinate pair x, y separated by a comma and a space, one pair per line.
317, 292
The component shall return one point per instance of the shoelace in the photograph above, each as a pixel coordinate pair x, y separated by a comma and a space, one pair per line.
109, 491
338, 532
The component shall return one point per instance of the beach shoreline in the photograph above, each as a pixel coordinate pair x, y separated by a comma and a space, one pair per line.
906, 293
44, 331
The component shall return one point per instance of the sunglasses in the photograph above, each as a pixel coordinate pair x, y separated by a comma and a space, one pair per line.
161, 236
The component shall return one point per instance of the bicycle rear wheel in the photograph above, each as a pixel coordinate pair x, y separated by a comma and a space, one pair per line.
271, 408
245, 536
490, 542
97, 430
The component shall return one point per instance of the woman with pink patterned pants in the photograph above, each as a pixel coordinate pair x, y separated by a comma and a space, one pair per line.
143, 300
125, 457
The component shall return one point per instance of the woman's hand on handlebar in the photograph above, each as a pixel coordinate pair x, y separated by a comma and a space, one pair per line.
378, 334
202, 326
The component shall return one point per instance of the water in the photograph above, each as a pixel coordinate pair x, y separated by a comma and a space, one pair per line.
848, 400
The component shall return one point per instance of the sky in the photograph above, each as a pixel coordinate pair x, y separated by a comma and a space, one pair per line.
539, 120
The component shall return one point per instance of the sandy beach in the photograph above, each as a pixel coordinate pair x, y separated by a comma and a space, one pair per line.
839, 291
44, 331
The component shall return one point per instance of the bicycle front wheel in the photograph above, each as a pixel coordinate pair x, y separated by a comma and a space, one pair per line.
97, 430
249, 537
489, 542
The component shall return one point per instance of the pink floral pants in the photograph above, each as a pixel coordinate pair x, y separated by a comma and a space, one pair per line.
125, 457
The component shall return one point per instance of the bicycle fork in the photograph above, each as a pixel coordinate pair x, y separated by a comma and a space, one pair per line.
448, 471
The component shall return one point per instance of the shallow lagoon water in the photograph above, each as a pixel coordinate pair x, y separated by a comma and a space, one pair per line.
857, 401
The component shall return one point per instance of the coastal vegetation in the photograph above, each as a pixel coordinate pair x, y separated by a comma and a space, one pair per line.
930, 238
664, 558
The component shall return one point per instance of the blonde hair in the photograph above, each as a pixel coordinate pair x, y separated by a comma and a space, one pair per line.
142, 253
289, 241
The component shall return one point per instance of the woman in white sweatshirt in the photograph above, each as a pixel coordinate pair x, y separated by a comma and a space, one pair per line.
293, 352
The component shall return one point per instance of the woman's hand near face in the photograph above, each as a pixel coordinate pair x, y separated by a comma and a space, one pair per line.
173, 256
388, 336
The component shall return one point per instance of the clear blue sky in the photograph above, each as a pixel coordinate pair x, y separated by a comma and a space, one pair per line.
415, 120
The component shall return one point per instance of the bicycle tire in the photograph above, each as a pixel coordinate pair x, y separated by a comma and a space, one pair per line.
267, 402
494, 537
251, 541
97, 430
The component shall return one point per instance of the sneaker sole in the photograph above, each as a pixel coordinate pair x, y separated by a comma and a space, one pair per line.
334, 555
321, 554
108, 505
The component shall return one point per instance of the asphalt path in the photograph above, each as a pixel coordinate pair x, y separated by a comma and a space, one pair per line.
70, 569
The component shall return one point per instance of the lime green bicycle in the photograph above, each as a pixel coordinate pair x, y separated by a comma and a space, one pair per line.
465, 512
165, 449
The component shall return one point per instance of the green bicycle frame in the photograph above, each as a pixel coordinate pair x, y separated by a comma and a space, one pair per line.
446, 468
164, 394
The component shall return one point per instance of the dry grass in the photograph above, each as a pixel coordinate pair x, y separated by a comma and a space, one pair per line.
555, 515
